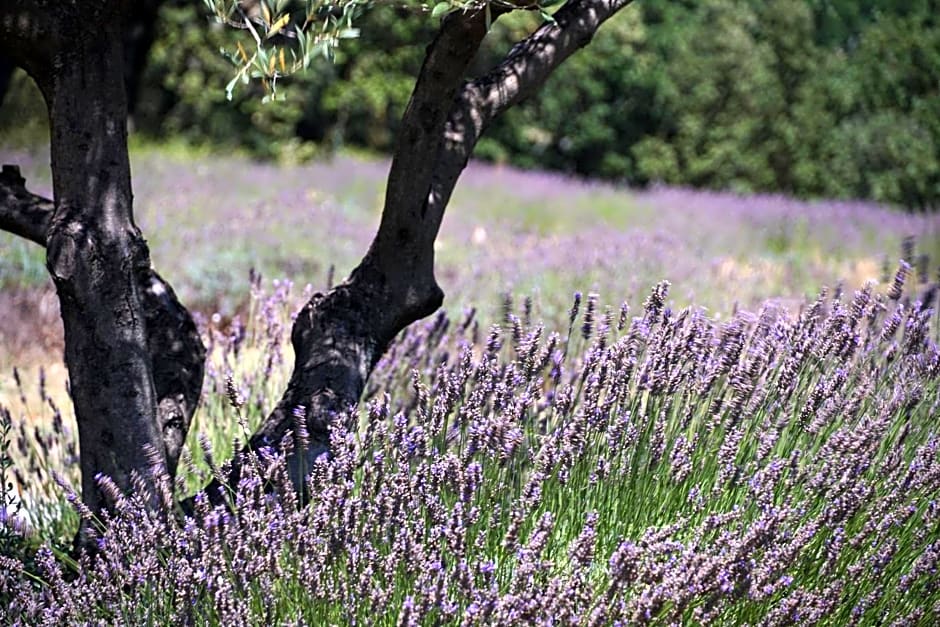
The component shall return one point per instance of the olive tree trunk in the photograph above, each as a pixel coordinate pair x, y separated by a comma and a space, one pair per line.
134, 358
340, 336
173, 341
94, 252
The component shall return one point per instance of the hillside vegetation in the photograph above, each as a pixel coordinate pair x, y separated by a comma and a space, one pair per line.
811, 98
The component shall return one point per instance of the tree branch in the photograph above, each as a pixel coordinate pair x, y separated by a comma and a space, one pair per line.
338, 337
22, 212
173, 341
405, 238
530, 62
524, 70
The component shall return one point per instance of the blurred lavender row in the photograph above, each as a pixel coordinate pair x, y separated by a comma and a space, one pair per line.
211, 218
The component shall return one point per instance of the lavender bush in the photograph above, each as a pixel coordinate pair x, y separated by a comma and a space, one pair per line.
630, 466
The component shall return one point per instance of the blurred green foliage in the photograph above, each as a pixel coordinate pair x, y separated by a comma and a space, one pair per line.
814, 98
183, 95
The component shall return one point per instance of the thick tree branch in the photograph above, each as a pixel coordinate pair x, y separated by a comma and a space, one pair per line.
404, 242
523, 72
424, 118
530, 62
174, 344
22, 212
339, 337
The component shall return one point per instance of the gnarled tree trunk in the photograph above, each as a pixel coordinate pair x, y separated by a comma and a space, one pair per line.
175, 347
94, 252
133, 354
134, 358
339, 337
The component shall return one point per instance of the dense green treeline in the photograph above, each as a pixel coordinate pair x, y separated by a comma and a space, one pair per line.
815, 98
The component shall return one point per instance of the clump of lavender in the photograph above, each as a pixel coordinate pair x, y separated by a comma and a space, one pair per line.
897, 286
12, 528
771, 469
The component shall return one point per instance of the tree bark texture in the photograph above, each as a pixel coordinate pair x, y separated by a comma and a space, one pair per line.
94, 250
94, 253
139, 34
522, 73
176, 349
339, 337
129, 344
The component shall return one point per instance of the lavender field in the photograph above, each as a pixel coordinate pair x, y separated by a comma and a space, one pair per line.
209, 218
661, 407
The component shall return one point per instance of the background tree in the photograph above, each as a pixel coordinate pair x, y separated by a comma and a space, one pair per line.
837, 89
816, 132
134, 359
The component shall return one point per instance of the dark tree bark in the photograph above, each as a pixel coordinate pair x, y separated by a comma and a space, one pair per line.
139, 34
176, 350
522, 73
339, 337
95, 253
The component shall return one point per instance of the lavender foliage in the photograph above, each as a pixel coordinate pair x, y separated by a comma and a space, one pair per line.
768, 469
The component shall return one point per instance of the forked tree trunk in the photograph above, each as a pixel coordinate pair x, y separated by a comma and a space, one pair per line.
134, 355
117, 310
129, 342
175, 347
339, 337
